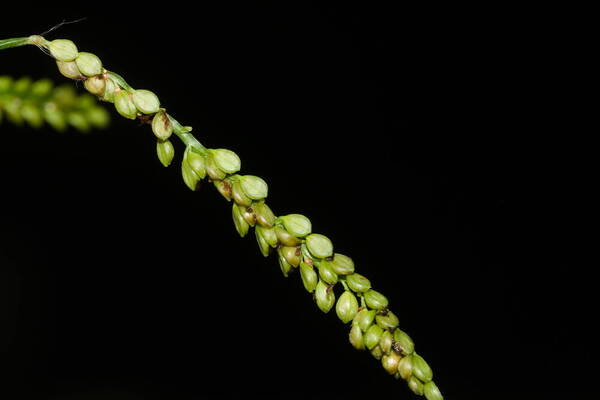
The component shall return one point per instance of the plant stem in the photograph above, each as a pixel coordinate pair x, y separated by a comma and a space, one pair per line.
14, 42
183, 133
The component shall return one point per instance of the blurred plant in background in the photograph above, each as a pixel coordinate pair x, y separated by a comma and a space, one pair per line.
25, 101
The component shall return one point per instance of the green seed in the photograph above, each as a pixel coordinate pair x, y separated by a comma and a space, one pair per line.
262, 243
146, 101
95, 85
390, 362
365, 319
375, 300
89, 64
386, 342
432, 392
416, 386
405, 367
109, 91
248, 214
226, 160
421, 369
224, 188
403, 342
327, 274
241, 225
268, 234
291, 254
342, 265
377, 352
189, 176
215, 173
196, 162
296, 224
254, 187
284, 265
165, 152
319, 245
309, 277
346, 307
69, 69
238, 194
387, 321
358, 283
124, 104
63, 49
356, 338
285, 238
324, 296
163, 129
264, 215
372, 336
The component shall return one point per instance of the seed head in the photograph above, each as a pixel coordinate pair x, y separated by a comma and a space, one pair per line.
145, 101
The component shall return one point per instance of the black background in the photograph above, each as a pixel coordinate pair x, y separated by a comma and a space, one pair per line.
441, 147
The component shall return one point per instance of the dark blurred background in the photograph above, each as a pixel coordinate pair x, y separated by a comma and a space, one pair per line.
441, 147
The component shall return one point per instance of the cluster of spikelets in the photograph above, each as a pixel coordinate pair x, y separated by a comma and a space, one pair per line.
37, 102
373, 326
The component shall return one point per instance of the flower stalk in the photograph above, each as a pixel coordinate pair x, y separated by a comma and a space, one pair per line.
373, 326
